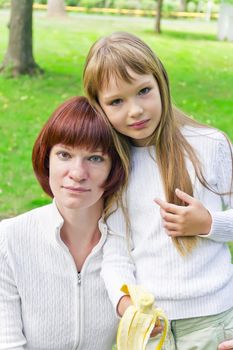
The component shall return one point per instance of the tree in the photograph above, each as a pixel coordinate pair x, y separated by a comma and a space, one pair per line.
19, 57
182, 5
225, 21
158, 16
209, 9
56, 7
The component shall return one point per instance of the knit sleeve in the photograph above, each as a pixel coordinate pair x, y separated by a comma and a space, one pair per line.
117, 266
11, 335
222, 221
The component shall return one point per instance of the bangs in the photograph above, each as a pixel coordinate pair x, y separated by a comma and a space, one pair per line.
114, 61
115, 65
76, 124
113, 57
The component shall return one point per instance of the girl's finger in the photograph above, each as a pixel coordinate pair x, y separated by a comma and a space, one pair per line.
168, 207
170, 226
185, 197
168, 217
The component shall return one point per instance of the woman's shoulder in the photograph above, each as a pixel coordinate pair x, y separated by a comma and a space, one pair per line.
23, 222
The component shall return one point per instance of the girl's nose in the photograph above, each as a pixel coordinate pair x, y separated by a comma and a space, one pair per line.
135, 109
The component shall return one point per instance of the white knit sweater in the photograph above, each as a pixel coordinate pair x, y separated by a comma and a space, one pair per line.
43, 303
196, 285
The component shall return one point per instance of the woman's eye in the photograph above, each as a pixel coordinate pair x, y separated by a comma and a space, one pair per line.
63, 155
116, 102
96, 159
144, 91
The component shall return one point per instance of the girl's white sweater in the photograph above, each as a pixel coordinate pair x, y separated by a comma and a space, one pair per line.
196, 285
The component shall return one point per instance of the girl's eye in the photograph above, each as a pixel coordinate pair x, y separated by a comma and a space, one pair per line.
116, 102
63, 155
96, 159
144, 91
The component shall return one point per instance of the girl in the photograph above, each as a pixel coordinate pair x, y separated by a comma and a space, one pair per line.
51, 293
227, 345
178, 198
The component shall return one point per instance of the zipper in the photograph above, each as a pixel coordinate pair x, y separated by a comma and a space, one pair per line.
79, 338
79, 280
79, 277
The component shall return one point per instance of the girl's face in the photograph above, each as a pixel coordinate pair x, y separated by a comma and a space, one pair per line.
134, 109
76, 176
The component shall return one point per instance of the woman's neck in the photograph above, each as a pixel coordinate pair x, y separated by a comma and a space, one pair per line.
80, 231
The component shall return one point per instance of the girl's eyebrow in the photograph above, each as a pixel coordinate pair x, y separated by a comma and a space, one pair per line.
143, 83
118, 95
111, 97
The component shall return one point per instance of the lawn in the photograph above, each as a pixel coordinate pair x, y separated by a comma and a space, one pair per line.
200, 70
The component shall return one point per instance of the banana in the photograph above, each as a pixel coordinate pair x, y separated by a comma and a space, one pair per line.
139, 320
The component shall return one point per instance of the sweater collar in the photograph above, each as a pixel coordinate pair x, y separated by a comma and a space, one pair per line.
50, 219
52, 222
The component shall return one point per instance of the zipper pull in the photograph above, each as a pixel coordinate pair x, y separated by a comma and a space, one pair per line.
79, 277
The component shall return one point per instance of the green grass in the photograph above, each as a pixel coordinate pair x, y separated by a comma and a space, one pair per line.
199, 67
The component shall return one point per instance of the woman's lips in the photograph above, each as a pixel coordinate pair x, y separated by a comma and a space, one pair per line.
76, 189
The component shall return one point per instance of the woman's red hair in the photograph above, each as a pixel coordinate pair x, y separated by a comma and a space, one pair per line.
75, 123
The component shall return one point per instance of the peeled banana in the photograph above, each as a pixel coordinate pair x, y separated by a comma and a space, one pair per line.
139, 320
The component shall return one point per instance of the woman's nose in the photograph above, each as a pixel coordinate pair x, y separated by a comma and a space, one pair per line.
78, 171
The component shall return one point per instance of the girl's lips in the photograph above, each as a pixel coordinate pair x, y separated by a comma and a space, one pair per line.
139, 125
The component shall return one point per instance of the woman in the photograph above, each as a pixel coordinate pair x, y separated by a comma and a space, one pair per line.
51, 293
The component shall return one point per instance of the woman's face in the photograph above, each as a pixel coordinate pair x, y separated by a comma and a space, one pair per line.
76, 176
134, 109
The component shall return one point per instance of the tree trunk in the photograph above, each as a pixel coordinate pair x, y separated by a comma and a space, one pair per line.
56, 8
209, 10
158, 16
182, 6
19, 57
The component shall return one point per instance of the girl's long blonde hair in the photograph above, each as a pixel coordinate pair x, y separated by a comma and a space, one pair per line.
111, 57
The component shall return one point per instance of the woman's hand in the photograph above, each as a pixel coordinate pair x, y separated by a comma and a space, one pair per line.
193, 219
226, 345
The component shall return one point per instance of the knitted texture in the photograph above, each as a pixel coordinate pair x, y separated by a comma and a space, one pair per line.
200, 283
42, 303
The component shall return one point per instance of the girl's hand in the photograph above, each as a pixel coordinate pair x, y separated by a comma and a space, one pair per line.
124, 303
226, 345
190, 220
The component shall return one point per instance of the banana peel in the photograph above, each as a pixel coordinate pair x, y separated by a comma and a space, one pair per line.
139, 320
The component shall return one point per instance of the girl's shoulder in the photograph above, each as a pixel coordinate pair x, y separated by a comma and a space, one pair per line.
210, 143
205, 136
191, 131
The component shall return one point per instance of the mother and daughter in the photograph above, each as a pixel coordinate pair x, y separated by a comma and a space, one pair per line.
164, 184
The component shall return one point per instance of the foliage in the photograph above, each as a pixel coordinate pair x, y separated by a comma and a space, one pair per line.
227, 2
4, 3
168, 5
72, 2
